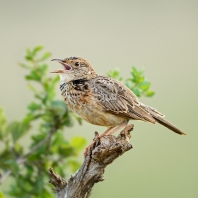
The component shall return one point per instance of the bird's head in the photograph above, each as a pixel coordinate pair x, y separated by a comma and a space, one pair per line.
74, 68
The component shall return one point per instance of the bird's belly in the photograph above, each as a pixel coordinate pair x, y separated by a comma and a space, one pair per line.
101, 118
94, 114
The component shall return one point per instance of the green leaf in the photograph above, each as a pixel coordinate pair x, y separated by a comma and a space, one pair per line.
28, 51
28, 57
37, 138
13, 129
50, 87
144, 85
5, 154
38, 185
115, 74
3, 121
1, 195
73, 164
45, 56
150, 93
23, 65
55, 80
129, 84
32, 88
34, 106
78, 143
13, 165
30, 117
37, 49
18, 129
77, 117
18, 149
59, 107
58, 140
34, 75
137, 92
66, 150
39, 96
47, 193
29, 170
42, 70
137, 76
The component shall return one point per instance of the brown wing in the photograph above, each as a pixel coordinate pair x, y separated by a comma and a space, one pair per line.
116, 98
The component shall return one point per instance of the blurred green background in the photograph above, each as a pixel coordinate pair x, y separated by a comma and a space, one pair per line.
160, 37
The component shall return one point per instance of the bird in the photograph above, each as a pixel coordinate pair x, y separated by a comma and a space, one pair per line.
101, 100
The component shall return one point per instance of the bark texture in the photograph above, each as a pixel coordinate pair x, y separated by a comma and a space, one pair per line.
102, 153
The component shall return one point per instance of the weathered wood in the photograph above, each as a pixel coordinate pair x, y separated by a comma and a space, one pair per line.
102, 153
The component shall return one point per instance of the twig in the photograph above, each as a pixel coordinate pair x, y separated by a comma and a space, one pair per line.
103, 153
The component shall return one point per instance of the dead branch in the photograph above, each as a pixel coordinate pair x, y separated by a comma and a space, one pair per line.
103, 153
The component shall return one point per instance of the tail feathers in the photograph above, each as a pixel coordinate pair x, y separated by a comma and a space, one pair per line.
160, 119
167, 124
153, 110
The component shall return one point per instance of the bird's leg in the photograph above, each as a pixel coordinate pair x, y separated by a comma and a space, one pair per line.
114, 129
109, 131
106, 132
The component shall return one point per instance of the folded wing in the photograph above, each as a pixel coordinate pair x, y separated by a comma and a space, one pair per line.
116, 98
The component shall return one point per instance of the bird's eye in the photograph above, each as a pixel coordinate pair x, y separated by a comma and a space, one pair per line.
77, 63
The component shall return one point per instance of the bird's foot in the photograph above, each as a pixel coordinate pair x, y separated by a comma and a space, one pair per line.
109, 131
87, 150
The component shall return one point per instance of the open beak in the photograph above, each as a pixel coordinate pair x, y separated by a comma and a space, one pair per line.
66, 67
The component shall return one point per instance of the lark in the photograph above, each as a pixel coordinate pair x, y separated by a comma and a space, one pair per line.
101, 100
